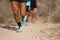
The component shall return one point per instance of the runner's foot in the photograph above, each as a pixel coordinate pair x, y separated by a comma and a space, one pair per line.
19, 29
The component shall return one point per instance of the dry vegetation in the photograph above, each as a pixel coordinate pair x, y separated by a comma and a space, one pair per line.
48, 9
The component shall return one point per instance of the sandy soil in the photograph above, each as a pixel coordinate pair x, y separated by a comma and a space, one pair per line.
41, 30
35, 31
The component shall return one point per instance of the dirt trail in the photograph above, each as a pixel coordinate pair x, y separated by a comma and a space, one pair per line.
35, 31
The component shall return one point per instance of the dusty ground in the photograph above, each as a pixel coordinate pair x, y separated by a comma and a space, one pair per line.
41, 30
35, 31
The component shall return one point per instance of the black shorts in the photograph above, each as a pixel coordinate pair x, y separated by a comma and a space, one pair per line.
27, 8
18, 0
33, 4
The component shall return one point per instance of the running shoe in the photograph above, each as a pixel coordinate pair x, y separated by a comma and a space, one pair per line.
26, 23
23, 20
19, 29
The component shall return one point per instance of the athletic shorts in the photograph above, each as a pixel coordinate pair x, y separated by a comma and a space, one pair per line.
28, 8
33, 4
18, 0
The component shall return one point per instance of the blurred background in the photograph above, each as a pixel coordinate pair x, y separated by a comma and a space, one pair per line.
48, 11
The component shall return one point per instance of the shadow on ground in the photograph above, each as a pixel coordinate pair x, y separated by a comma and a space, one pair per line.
9, 28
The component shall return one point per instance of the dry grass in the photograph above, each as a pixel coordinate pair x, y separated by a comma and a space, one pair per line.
44, 8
